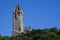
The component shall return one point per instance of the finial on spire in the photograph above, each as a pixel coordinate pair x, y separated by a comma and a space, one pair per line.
18, 7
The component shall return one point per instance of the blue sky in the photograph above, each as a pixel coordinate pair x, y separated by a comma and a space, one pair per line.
38, 14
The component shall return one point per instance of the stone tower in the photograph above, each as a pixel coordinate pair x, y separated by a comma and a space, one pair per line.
17, 20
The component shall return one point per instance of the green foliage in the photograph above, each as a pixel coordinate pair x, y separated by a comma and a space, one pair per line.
0, 37
6, 38
36, 34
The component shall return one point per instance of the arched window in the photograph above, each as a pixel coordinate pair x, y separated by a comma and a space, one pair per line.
18, 13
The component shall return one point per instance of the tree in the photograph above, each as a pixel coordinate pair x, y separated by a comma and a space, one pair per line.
6, 38
54, 29
44, 37
0, 37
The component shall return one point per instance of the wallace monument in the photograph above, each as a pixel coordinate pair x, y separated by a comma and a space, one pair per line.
17, 20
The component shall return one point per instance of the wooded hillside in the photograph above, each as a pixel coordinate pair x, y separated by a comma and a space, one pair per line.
36, 34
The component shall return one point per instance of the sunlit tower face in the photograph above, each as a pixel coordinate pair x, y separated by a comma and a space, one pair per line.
17, 21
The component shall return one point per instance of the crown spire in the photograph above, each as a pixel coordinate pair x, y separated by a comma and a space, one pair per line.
18, 7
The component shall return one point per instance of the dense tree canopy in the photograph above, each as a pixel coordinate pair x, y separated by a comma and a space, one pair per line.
36, 34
